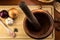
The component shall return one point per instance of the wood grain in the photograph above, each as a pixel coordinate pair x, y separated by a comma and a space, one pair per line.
18, 23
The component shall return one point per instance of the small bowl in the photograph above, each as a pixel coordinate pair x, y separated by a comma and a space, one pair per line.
46, 21
57, 6
46, 1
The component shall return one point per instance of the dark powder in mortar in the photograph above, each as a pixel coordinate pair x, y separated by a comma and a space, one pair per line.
43, 19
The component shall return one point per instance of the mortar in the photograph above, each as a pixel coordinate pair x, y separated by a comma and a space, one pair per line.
46, 21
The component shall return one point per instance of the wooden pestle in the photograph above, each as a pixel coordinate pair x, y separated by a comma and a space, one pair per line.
31, 18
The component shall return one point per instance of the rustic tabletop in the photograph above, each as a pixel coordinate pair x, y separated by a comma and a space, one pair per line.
32, 2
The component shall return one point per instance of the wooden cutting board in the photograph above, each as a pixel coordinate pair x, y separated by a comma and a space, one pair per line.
18, 23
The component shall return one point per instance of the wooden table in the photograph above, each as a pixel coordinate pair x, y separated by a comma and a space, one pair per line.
29, 2
13, 2
57, 33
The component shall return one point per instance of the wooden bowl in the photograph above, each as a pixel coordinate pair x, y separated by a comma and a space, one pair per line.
57, 6
44, 1
46, 21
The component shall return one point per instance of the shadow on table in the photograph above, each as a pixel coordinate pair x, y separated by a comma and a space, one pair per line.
38, 39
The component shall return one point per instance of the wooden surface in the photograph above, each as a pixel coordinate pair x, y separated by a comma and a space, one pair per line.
16, 2
18, 23
57, 33
13, 2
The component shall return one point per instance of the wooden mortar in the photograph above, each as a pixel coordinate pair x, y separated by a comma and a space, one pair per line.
46, 21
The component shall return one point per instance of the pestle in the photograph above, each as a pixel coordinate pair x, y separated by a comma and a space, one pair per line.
31, 18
